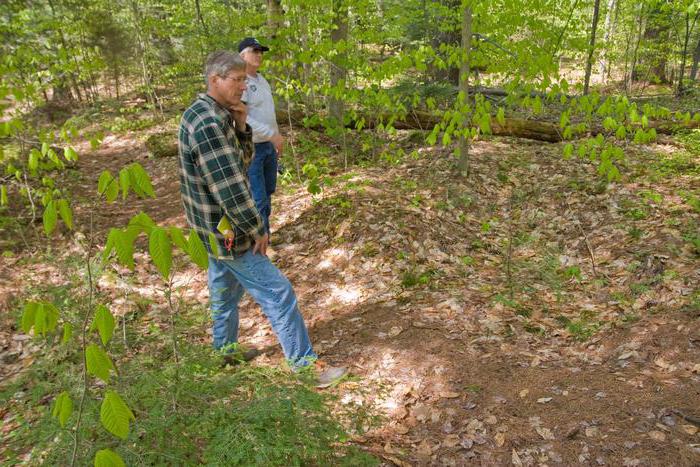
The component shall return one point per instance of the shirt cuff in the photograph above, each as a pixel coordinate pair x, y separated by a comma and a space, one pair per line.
246, 135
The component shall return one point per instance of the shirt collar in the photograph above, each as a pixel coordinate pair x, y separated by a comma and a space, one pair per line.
219, 110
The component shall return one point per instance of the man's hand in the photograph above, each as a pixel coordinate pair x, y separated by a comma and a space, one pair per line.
261, 245
278, 142
240, 114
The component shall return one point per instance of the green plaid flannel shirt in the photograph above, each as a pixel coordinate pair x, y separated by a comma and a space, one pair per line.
214, 158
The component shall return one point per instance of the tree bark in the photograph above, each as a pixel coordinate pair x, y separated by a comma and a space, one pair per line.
689, 26
609, 28
591, 47
274, 16
464, 86
696, 60
338, 72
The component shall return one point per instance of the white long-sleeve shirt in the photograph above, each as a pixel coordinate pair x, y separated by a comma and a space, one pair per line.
261, 108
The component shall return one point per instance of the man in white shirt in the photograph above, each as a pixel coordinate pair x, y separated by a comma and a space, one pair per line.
266, 136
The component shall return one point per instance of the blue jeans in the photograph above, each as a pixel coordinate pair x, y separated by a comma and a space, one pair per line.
228, 279
262, 174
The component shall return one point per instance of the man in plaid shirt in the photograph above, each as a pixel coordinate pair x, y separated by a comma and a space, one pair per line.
214, 152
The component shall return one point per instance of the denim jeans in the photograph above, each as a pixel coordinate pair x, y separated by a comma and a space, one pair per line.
262, 174
228, 279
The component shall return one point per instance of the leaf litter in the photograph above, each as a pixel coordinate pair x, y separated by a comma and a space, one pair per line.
488, 319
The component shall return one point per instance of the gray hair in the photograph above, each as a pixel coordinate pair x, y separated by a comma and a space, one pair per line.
221, 63
246, 50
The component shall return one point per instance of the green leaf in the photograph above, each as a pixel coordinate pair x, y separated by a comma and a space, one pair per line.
62, 408
108, 458
140, 180
115, 415
501, 116
67, 333
160, 248
124, 244
142, 222
28, 316
33, 161
50, 218
104, 323
108, 186
621, 132
178, 238
111, 242
70, 155
645, 121
197, 250
213, 244
45, 318
124, 182
568, 150
66, 213
3, 195
45, 149
98, 362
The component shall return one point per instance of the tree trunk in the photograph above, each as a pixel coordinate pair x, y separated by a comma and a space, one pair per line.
696, 60
609, 28
591, 47
274, 16
198, 9
464, 86
338, 72
689, 26
632, 72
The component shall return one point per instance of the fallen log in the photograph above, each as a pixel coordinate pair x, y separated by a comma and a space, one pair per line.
165, 145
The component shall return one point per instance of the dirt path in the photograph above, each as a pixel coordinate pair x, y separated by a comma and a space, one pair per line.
470, 311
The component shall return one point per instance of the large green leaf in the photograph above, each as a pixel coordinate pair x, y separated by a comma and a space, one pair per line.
104, 323
98, 362
197, 250
124, 244
66, 213
178, 238
124, 182
108, 186
140, 180
115, 415
33, 162
62, 408
50, 217
142, 222
67, 333
214, 244
28, 316
3, 195
45, 318
160, 248
108, 458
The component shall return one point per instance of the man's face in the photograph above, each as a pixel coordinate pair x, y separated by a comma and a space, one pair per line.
253, 57
230, 87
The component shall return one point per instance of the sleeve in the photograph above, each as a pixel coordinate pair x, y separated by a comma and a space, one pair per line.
260, 128
245, 138
216, 159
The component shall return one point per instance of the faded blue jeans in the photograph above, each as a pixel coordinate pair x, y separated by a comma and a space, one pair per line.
254, 273
262, 174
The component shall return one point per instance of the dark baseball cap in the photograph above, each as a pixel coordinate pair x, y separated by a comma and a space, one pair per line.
251, 42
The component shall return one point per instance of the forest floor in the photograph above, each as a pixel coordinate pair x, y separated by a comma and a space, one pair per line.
530, 314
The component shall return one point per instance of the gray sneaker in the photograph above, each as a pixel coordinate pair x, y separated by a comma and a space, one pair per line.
329, 376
